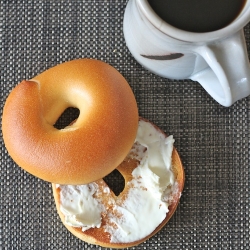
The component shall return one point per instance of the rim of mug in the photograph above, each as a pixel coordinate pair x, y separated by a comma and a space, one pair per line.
241, 20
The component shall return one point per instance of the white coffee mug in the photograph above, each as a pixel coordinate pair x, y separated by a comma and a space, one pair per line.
218, 60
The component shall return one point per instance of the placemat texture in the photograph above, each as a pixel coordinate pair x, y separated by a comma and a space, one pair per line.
213, 141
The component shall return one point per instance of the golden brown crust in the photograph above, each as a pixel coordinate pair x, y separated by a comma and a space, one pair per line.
77, 154
97, 235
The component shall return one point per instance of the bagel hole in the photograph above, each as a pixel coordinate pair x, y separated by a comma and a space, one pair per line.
67, 117
115, 181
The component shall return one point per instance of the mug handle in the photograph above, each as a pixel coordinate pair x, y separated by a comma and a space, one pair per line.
227, 79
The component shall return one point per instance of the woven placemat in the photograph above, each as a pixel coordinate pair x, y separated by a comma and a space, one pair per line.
213, 141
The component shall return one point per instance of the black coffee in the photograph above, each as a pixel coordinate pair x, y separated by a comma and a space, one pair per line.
198, 15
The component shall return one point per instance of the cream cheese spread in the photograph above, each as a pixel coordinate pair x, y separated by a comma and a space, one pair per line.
79, 206
146, 204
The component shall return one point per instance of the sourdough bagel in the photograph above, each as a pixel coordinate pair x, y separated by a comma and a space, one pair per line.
88, 149
154, 179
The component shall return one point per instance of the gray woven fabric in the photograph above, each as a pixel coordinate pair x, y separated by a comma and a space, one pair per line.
213, 141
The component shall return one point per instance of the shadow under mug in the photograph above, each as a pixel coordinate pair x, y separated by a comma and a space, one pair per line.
218, 60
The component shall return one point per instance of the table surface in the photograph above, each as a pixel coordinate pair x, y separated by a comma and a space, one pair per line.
213, 141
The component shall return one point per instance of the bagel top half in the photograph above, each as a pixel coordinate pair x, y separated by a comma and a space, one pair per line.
88, 149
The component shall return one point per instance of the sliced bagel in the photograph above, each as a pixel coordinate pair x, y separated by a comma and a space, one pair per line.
103, 235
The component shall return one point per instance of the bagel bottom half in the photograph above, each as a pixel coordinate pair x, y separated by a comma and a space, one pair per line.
154, 180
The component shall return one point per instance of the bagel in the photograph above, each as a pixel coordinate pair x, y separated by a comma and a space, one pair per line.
86, 150
154, 180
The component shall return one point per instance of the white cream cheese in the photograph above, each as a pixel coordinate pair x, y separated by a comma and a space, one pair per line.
146, 203
79, 206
